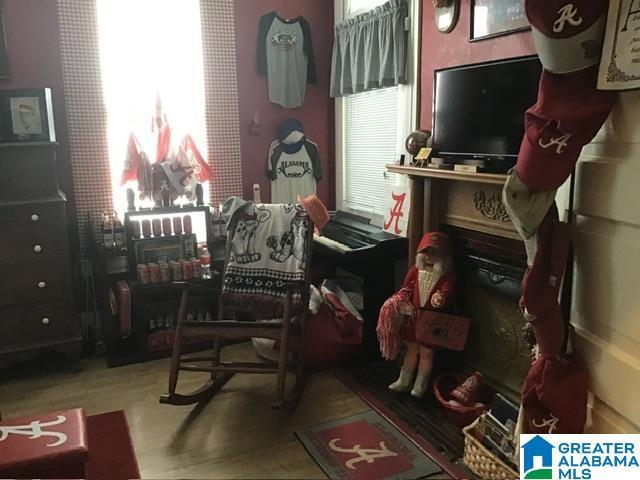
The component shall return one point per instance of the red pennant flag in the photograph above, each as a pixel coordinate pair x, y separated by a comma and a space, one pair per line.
164, 143
132, 161
200, 166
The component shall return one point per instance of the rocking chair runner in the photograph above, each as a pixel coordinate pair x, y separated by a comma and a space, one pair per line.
290, 326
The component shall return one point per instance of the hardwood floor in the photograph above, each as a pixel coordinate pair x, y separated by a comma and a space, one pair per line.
235, 435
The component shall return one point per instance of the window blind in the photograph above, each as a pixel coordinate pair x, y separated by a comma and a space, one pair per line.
371, 132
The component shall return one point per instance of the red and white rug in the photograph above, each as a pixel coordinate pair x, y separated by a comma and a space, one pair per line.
366, 446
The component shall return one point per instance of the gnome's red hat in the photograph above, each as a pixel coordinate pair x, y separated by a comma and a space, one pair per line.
438, 240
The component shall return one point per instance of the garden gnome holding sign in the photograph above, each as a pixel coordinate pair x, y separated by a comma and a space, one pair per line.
429, 285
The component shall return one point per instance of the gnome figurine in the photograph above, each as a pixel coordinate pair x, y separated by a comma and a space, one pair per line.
429, 285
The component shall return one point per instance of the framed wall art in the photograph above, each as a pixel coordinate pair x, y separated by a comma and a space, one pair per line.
492, 18
26, 115
620, 63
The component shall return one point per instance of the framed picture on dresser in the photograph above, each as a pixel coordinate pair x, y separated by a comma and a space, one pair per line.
492, 18
26, 115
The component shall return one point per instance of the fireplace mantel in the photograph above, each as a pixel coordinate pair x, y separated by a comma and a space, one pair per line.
466, 200
489, 178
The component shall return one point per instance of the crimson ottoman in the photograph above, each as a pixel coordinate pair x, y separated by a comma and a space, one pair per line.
50, 445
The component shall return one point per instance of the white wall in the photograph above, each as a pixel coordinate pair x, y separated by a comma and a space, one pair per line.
606, 300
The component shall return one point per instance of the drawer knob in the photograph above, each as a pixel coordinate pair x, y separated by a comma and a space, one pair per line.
42, 285
37, 248
35, 217
46, 321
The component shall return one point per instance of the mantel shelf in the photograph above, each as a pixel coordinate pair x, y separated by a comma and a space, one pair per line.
488, 178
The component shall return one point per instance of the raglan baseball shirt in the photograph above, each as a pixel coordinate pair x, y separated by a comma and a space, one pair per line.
293, 174
285, 57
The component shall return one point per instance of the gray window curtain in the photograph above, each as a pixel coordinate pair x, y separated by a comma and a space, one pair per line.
370, 50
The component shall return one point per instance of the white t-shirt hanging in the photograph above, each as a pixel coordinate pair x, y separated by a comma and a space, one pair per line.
293, 174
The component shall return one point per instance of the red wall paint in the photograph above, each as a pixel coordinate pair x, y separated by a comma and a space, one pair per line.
31, 28
317, 112
440, 50
33, 43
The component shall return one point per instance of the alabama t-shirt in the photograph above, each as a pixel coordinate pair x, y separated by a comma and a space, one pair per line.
293, 174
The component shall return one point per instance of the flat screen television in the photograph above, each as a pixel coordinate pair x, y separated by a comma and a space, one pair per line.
478, 110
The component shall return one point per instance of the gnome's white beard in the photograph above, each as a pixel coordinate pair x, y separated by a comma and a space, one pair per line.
428, 278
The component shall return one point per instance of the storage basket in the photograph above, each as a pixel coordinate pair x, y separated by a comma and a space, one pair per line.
481, 461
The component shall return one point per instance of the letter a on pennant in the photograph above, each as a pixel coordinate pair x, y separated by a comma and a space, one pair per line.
396, 218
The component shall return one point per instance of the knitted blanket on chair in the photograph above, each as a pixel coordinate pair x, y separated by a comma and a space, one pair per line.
268, 254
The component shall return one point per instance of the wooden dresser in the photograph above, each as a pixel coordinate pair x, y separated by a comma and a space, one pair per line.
36, 286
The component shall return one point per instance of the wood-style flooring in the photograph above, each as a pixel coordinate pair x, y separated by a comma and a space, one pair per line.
235, 435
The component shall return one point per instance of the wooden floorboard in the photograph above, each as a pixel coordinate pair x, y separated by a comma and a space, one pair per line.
235, 435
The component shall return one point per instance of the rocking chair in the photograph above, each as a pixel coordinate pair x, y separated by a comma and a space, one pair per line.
236, 327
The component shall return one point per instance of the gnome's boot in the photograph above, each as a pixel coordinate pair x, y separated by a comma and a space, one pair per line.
404, 381
420, 385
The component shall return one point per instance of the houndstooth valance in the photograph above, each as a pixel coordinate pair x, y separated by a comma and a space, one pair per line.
370, 50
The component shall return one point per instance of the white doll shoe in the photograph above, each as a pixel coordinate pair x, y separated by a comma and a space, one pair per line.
420, 386
404, 381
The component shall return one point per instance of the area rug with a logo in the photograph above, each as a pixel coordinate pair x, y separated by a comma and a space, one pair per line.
366, 446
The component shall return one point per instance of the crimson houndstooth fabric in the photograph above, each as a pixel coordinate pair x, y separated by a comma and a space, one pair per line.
221, 110
86, 112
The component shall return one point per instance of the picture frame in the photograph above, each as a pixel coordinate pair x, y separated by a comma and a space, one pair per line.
148, 250
5, 66
26, 115
494, 18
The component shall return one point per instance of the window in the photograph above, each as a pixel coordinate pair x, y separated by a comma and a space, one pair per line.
358, 6
150, 47
371, 132
371, 128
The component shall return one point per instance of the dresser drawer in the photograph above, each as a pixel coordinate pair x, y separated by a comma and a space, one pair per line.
28, 217
32, 283
33, 233
41, 250
33, 324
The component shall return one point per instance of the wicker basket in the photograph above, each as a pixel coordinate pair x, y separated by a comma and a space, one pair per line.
481, 461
